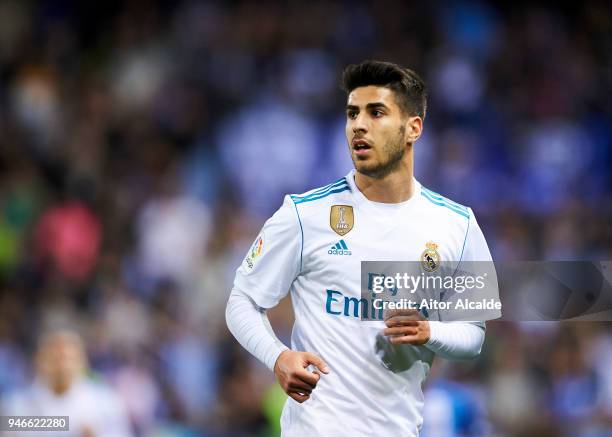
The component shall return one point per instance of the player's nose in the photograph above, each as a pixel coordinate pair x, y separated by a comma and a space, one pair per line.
359, 124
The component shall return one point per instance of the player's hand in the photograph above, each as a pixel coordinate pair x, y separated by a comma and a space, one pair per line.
292, 375
406, 327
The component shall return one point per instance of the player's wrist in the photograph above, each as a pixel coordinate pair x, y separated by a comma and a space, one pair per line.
433, 329
281, 351
427, 330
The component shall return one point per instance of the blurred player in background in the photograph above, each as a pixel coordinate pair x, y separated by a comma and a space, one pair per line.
62, 388
368, 376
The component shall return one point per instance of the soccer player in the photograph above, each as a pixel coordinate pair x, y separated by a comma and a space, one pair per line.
345, 376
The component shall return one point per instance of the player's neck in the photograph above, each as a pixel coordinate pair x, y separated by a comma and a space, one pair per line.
396, 187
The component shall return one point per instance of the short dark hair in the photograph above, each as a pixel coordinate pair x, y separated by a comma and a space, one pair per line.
410, 90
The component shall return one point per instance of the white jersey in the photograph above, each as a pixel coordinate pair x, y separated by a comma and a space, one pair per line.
313, 246
89, 405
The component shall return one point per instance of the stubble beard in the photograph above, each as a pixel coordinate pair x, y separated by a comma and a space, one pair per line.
394, 151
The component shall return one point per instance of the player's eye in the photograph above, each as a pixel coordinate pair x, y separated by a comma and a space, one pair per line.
377, 113
351, 114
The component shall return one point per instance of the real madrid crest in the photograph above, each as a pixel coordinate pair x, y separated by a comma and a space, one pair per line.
430, 258
341, 219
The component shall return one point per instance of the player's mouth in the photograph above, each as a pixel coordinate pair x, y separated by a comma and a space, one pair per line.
361, 146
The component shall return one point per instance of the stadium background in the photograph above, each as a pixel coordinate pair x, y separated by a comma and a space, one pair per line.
142, 145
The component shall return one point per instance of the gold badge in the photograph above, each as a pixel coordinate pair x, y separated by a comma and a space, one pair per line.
430, 258
341, 219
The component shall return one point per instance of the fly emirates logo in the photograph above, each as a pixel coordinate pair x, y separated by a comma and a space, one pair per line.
338, 304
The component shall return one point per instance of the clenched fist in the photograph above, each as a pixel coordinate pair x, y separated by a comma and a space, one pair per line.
294, 378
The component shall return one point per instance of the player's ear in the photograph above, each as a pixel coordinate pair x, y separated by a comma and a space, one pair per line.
414, 128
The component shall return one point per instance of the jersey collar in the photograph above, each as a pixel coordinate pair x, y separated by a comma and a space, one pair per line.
361, 199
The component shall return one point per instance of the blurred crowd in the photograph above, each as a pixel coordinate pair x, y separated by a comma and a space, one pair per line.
142, 146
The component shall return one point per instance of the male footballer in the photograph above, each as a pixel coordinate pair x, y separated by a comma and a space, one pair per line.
345, 376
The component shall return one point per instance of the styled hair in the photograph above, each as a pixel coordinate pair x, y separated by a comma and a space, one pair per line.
410, 90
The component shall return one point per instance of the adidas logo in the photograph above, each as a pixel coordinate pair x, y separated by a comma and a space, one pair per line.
340, 248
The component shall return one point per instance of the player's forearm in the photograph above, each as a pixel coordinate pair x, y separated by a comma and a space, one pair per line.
455, 340
251, 327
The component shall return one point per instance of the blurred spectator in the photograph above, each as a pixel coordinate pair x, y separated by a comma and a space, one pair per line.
68, 239
62, 388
